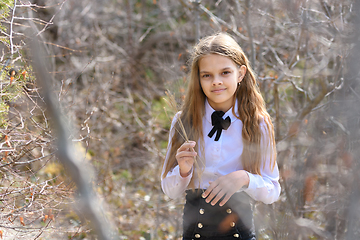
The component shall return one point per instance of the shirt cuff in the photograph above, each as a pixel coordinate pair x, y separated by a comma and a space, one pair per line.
252, 181
177, 172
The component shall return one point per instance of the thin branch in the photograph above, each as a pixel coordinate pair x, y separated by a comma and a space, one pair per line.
11, 29
52, 18
277, 110
218, 22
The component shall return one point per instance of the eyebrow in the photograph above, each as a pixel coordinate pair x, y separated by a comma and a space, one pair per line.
225, 68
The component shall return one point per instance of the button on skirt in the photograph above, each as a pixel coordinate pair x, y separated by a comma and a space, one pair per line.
201, 220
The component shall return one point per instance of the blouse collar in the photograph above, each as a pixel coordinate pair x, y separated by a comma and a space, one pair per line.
209, 110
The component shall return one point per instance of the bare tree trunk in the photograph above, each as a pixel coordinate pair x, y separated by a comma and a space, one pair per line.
250, 31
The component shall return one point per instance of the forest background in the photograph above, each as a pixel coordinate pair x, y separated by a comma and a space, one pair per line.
108, 65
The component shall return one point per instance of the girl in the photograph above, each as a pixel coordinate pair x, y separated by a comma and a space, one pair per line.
235, 157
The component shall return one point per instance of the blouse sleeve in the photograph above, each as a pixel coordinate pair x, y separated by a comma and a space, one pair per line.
265, 188
173, 184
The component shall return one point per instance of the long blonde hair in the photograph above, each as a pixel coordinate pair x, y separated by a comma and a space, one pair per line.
251, 106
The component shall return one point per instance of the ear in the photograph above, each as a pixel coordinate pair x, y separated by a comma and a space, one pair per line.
242, 72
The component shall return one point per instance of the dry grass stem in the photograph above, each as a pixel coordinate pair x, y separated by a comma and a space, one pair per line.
173, 105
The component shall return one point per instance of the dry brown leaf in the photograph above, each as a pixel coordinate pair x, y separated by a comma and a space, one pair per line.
309, 188
7, 141
22, 221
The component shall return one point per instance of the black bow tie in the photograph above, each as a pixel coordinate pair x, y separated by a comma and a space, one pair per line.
219, 124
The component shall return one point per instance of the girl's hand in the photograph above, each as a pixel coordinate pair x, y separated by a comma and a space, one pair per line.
185, 157
226, 186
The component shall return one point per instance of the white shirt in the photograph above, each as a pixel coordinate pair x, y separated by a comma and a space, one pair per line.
223, 157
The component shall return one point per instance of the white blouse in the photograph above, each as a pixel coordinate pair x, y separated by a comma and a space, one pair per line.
223, 157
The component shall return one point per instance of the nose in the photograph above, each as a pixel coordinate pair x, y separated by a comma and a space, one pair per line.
217, 81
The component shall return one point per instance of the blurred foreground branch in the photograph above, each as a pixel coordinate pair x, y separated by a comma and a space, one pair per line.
80, 172
353, 117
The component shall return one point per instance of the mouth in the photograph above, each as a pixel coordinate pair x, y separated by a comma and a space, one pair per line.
218, 90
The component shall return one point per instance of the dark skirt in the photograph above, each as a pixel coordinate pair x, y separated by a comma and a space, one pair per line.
234, 220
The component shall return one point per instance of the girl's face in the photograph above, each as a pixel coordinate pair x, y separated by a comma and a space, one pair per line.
219, 78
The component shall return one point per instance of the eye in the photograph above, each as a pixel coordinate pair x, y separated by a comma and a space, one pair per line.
226, 72
205, 75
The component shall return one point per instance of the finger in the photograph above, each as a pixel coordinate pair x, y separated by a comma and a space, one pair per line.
226, 198
212, 195
185, 154
186, 146
208, 190
218, 197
